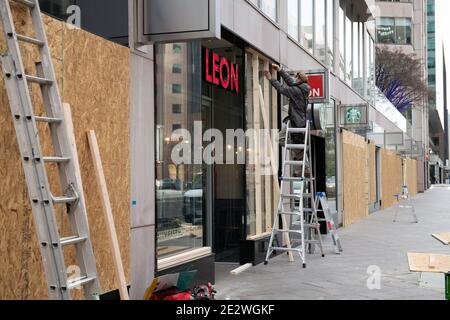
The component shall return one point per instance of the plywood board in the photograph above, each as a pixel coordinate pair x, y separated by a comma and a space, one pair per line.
94, 78
411, 176
371, 156
442, 237
429, 262
356, 175
391, 177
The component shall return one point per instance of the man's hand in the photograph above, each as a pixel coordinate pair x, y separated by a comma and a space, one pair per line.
268, 75
276, 67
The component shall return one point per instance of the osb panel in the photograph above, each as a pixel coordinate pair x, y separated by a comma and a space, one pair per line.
356, 187
429, 262
391, 177
411, 176
93, 76
371, 157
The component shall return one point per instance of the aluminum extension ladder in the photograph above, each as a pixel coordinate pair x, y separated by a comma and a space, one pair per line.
34, 162
303, 215
321, 200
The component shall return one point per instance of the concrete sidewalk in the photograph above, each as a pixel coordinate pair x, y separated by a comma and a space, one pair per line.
375, 241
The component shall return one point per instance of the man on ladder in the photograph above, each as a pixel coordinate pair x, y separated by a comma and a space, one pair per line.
297, 90
296, 168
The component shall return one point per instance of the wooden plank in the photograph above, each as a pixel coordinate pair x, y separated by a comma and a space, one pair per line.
442, 237
429, 262
268, 145
169, 262
241, 269
107, 210
256, 127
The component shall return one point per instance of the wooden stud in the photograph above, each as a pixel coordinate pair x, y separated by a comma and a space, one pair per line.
107, 210
241, 269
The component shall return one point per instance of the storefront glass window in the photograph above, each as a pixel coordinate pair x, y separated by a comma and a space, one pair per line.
320, 31
330, 155
306, 20
330, 33
180, 204
293, 18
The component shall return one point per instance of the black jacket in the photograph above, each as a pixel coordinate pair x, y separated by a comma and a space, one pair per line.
298, 98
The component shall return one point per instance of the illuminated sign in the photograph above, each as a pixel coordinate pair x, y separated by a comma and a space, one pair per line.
355, 115
319, 81
220, 71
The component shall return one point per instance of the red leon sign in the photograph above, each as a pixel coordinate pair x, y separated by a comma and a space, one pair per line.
317, 84
221, 72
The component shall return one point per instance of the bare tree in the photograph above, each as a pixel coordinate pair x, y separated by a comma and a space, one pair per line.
399, 76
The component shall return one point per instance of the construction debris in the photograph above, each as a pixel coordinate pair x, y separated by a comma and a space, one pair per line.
442, 237
429, 262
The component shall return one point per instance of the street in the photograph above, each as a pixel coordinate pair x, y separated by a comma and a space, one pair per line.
375, 242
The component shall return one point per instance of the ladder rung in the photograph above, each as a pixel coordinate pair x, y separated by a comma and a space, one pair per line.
30, 40
296, 196
296, 130
290, 213
295, 146
308, 210
79, 282
297, 179
27, 3
285, 249
59, 200
294, 163
48, 120
288, 231
56, 159
72, 240
39, 80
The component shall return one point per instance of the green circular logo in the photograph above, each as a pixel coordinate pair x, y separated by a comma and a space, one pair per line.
353, 116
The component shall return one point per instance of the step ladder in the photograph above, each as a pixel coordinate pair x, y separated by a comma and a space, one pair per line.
299, 207
322, 202
44, 203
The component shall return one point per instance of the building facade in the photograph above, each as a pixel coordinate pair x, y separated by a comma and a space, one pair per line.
191, 215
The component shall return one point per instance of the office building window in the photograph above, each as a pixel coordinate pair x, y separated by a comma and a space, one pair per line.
348, 47
176, 88
176, 68
293, 18
403, 30
176, 127
176, 48
306, 19
320, 31
330, 33
269, 7
176, 108
342, 39
394, 30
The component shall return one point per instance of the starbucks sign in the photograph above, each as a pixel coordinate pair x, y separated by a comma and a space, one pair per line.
354, 115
